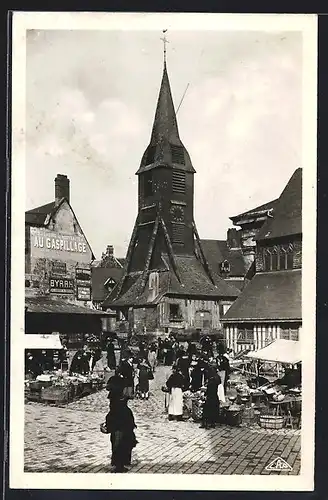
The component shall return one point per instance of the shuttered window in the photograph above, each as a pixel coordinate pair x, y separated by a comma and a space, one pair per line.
178, 233
177, 153
178, 181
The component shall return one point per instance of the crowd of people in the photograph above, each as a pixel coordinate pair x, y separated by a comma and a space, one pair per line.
193, 366
194, 369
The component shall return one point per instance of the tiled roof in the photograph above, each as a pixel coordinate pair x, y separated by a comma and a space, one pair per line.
269, 296
216, 251
99, 275
253, 211
44, 304
287, 215
37, 216
194, 283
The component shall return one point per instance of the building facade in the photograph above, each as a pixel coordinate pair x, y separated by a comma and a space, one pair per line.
270, 305
167, 283
57, 269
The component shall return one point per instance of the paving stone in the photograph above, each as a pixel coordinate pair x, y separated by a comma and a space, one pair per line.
67, 439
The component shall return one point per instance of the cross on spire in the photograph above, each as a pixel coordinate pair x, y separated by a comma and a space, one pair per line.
165, 41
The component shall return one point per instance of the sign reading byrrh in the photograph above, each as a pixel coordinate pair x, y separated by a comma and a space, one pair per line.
61, 285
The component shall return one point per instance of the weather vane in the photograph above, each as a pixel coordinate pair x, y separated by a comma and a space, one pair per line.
165, 41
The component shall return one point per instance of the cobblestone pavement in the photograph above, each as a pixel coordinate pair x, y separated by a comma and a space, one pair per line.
67, 439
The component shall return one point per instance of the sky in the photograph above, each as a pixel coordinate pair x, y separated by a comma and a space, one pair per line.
90, 104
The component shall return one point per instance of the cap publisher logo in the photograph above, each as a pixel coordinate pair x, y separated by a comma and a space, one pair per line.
278, 465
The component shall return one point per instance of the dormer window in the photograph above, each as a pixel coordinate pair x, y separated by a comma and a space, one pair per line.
225, 267
109, 284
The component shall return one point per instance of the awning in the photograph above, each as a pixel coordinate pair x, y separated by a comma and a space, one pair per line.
279, 351
57, 305
40, 341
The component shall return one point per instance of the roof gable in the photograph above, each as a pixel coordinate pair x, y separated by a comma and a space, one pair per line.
287, 216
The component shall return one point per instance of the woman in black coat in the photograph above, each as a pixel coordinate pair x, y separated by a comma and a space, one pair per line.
211, 406
120, 423
111, 360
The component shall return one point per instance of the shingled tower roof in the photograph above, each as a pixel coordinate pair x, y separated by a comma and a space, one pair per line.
165, 134
165, 242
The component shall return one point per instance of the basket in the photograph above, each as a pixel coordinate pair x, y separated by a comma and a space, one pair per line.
197, 410
271, 421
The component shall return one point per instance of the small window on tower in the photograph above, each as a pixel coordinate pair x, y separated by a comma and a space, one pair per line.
177, 154
148, 183
150, 155
178, 181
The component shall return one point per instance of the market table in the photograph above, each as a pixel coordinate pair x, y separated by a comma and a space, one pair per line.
287, 402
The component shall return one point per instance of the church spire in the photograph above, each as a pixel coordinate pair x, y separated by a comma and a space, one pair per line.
165, 143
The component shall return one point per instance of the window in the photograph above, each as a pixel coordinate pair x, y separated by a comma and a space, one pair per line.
225, 267
178, 233
245, 336
148, 183
178, 181
289, 333
274, 260
175, 312
267, 260
282, 259
177, 153
150, 156
289, 260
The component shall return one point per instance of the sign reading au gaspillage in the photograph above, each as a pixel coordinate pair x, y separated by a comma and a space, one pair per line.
42, 238
83, 293
61, 285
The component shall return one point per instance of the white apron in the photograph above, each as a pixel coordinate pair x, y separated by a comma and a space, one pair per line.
221, 394
222, 376
175, 401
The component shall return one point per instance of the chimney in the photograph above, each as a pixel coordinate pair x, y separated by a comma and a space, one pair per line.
61, 188
233, 238
110, 250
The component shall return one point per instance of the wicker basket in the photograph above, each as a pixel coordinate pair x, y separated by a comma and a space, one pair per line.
271, 421
197, 410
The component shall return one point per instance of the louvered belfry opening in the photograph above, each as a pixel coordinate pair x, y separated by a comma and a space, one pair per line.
179, 181
177, 153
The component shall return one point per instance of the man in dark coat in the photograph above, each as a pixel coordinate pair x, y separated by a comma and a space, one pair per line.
32, 364
127, 372
120, 423
80, 362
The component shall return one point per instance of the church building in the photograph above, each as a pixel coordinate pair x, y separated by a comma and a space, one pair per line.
167, 282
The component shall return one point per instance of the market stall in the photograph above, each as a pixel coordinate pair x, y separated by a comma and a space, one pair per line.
47, 378
281, 397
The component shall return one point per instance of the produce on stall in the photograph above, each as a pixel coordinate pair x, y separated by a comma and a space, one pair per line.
60, 387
